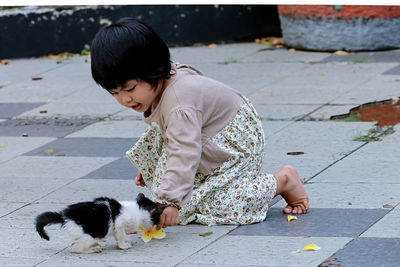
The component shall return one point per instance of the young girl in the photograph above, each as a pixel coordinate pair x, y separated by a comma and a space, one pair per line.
203, 152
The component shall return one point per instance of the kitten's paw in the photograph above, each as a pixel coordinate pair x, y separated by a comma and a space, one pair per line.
96, 249
125, 245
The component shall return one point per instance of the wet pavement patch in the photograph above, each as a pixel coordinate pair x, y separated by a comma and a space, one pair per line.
121, 169
9, 110
317, 222
385, 112
85, 147
42, 127
367, 252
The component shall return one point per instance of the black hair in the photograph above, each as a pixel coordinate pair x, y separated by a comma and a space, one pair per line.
129, 49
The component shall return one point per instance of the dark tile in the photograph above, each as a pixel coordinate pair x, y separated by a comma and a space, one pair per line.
367, 252
121, 169
317, 222
9, 110
367, 57
393, 71
85, 147
43, 127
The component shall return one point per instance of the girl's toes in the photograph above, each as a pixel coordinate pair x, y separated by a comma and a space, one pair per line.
287, 209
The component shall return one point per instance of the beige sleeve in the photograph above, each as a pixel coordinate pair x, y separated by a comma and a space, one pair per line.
183, 138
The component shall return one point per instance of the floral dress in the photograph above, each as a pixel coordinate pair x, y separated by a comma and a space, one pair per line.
235, 192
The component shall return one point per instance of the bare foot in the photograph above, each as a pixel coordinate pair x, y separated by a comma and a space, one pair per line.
290, 187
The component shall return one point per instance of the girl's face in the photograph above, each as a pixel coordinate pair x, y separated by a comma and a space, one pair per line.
136, 94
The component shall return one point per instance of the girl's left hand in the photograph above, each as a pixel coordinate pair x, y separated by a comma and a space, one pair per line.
169, 217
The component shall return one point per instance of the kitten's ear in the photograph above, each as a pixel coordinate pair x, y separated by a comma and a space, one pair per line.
139, 197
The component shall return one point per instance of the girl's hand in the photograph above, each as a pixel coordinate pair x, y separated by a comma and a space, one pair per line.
169, 217
139, 179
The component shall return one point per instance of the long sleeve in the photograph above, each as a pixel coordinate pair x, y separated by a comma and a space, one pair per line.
183, 138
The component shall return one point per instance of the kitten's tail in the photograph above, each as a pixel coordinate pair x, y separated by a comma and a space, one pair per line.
47, 218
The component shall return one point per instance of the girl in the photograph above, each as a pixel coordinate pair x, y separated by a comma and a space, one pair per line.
204, 151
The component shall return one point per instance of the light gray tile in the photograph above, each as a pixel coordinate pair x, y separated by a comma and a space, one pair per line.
388, 226
11, 147
88, 189
113, 129
68, 168
350, 196
284, 112
8, 207
266, 251
27, 189
73, 110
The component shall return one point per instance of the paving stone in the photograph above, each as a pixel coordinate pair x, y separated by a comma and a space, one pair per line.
73, 111
88, 189
67, 168
388, 226
368, 252
317, 222
155, 252
286, 56
366, 164
9, 110
121, 169
350, 196
85, 147
90, 94
18, 261
393, 71
14, 146
113, 129
23, 218
221, 53
266, 251
42, 127
284, 112
8, 207
367, 57
33, 188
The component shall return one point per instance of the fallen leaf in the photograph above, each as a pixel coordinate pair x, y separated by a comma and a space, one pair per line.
206, 234
50, 150
388, 206
291, 218
4, 62
37, 78
212, 46
271, 40
268, 94
3, 145
150, 233
294, 153
43, 111
341, 53
322, 74
25, 135
292, 50
311, 247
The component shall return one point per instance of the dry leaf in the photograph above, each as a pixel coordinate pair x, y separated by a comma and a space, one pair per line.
25, 135
341, 53
311, 247
271, 40
388, 206
37, 78
291, 218
43, 111
268, 94
3, 145
212, 46
4, 62
50, 150
294, 153
292, 50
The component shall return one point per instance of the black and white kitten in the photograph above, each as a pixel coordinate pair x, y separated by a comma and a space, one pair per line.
88, 223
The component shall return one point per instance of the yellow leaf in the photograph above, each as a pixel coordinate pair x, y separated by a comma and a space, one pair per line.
212, 46
291, 218
3, 145
311, 247
50, 150
341, 53
148, 234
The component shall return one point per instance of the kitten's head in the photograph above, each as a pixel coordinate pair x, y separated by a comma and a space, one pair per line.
153, 208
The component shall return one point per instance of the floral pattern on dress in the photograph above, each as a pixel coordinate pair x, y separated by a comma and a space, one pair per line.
235, 192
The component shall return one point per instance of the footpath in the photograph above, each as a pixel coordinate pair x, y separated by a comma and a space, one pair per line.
63, 140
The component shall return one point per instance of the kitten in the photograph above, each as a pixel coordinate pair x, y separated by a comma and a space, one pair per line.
88, 223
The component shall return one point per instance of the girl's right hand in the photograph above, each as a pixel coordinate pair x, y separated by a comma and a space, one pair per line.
139, 179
